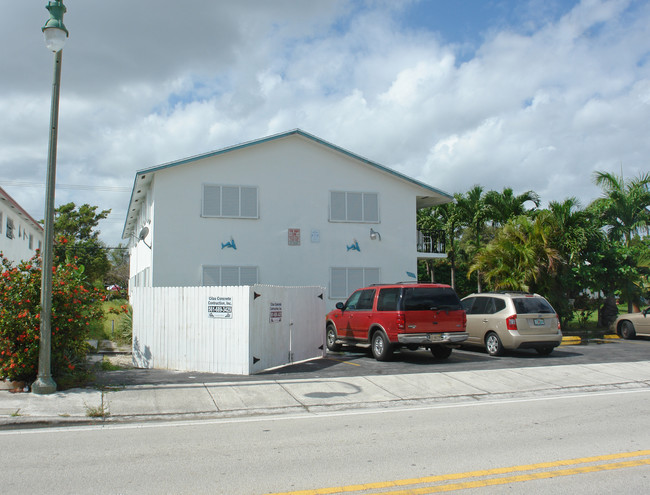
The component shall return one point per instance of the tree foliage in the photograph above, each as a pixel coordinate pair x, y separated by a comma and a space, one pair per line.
75, 305
75, 229
562, 251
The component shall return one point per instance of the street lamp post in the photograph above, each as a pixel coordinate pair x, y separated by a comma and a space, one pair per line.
55, 35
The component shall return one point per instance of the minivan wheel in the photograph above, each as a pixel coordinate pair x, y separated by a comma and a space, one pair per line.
380, 345
627, 330
493, 344
331, 339
441, 351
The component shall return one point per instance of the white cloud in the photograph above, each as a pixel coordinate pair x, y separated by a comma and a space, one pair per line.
538, 106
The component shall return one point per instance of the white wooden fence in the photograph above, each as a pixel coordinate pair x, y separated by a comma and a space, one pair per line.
234, 330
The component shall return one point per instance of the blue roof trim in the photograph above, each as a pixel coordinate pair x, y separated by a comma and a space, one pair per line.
274, 137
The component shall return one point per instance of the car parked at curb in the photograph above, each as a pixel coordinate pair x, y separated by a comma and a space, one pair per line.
390, 316
498, 321
629, 325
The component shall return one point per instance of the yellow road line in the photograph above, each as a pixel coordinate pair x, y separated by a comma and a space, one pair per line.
488, 472
520, 478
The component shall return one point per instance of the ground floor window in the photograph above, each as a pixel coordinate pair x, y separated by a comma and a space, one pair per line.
343, 281
229, 275
140, 279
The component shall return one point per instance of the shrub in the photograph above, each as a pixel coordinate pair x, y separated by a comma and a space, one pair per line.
124, 314
75, 304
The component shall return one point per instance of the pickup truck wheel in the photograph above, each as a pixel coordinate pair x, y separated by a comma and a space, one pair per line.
381, 347
441, 351
330, 338
493, 344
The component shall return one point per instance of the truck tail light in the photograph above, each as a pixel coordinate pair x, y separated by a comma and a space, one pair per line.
401, 322
511, 322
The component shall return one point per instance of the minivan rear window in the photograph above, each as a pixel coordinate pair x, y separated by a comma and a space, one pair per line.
528, 305
430, 298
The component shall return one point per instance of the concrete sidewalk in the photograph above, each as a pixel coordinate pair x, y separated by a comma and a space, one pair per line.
304, 396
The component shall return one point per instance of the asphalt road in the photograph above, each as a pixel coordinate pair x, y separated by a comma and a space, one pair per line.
574, 444
359, 362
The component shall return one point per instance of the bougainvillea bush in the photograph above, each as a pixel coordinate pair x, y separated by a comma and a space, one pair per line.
75, 304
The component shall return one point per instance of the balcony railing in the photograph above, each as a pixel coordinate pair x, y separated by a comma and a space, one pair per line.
431, 242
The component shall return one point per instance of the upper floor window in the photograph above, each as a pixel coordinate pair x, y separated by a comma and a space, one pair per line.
10, 228
229, 201
354, 207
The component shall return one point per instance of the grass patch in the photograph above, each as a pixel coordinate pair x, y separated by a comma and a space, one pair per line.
106, 365
114, 327
99, 411
96, 412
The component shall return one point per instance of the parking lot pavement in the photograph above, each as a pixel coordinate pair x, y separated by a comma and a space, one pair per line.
358, 361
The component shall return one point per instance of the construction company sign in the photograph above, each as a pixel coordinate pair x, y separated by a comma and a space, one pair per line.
275, 312
220, 307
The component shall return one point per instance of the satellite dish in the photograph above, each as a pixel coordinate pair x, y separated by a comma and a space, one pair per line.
143, 235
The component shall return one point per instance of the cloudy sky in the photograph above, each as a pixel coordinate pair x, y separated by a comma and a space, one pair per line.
528, 94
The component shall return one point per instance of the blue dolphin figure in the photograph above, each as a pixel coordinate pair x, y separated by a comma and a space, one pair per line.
354, 247
230, 244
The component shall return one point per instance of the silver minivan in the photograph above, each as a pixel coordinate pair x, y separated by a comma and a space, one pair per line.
511, 320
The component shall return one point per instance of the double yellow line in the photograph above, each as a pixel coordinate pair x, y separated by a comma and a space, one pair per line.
492, 477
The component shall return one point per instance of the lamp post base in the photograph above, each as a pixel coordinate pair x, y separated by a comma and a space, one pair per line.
44, 386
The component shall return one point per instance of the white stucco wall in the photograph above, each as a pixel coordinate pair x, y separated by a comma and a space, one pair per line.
140, 252
294, 176
18, 247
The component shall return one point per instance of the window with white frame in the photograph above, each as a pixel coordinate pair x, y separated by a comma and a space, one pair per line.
344, 281
31, 241
0, 222
228, 275
354, 207
229, 201
10, 228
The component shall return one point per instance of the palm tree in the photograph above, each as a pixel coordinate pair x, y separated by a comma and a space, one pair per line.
574, 228
624, 210
473, 213
624, 205
443, 217
502, 206
520, 255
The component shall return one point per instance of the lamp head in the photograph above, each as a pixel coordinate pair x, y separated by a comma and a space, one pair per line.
54, 31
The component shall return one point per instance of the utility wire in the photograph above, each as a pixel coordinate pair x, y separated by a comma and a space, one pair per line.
81, 187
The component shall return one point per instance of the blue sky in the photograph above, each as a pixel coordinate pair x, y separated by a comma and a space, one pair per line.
527, 94
469, 22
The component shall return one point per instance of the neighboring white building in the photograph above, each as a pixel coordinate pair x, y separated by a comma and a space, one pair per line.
289, 209
20, 234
